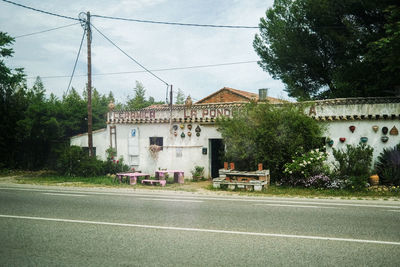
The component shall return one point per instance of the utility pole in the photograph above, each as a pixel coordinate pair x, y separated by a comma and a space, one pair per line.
89, 84
170, 110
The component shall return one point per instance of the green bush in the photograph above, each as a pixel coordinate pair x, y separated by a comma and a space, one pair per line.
73, 161
113, 165
197, 173
388, 166
353, 165
269, 134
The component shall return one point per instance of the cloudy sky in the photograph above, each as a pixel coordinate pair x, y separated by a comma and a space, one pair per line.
155, 46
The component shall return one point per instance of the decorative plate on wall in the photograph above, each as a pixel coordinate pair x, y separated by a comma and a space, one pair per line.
375, 128
394, 131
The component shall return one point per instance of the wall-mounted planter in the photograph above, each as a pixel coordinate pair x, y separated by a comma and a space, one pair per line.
352, 128
364, 139
394, 131
342, 139
384, 139
182, 126
175, 127
189, 126
175, 133
189, 134
183, 135
197, 134
198, 129
375, 128
385, 130
330, 143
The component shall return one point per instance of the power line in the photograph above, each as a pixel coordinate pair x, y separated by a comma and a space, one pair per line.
39, 10
149, 71
48, 30
76, 61
177, 23
153, 70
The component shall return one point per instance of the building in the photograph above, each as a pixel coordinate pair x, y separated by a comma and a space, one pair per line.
185, 136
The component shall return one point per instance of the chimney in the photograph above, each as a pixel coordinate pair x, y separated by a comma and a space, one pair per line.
262, 94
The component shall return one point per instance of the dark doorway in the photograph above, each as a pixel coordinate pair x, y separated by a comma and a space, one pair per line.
216, 156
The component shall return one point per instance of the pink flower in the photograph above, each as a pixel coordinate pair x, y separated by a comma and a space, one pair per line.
114, 161
117, 161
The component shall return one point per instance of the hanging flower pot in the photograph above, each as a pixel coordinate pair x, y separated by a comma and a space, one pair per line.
342, 139
182, 126
375, 128
374, 179
394, 131
330, 143
198, 129
189, 126
385, 130
189, 134
384, 139
364, 139
175, 133
352, 128
175, 127
197, 134
183, 135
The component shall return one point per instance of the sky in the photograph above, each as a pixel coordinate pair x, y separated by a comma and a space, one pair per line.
154, 46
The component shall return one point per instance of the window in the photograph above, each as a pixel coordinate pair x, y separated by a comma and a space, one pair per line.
157, 141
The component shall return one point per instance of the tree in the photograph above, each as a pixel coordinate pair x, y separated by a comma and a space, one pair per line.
268, 134
326, 48
180, 97
139, 100
12, 102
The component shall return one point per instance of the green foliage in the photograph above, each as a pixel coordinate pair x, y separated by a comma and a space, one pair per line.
139, 101
113, 165
388, 166
74, 162
198, 173
354, 165
180, 97
268, 134
328, 48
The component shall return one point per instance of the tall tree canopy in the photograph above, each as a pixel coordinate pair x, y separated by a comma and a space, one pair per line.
327, 48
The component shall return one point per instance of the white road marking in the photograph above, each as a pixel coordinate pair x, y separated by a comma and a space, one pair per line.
166, 199
59, 194
394, 210
204, 230
153, 195
294, 206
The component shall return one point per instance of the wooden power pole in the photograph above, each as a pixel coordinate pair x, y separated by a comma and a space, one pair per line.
89, 84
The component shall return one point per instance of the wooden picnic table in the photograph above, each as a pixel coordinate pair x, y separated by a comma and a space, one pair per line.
178, 175
132, 176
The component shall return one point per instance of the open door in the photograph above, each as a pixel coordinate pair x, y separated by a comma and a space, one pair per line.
217, 152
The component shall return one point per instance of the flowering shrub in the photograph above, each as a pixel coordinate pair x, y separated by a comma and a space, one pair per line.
306, 165
318, 181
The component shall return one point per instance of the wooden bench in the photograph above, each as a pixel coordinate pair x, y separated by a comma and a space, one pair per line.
161, 182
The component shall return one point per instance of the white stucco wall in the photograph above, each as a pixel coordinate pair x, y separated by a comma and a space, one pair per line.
191, 147
338, 129
100, 141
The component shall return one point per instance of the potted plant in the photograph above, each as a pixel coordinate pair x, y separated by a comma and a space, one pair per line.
197, 173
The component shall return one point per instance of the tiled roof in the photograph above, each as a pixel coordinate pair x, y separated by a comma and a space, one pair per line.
249, 96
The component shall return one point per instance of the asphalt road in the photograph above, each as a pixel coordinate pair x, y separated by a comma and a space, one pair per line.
95, 227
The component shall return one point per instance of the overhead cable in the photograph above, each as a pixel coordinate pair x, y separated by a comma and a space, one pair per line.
48, 30
178, 23
108, 39
153, 70
76, 61
39, 10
